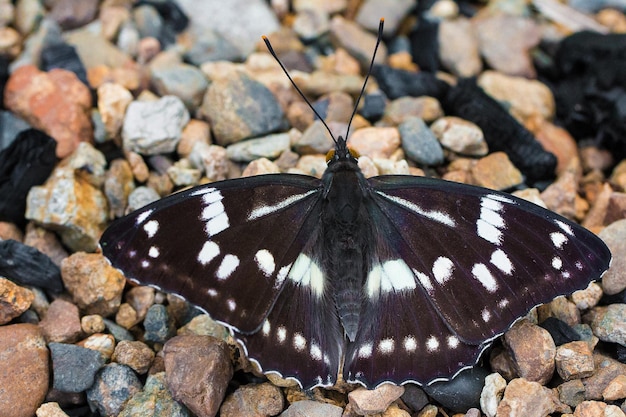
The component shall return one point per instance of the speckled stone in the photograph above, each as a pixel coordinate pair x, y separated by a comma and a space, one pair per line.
374, 401
270, 147
496, 171
100, 342
14, 300
184, 81
73, 367
375, 142
426, 108
532, 350
158, 324
253, 400
523, 397
114, 386
458, 47
460, 136
118, 185
61, 322
614, 235
135, 354
155, 400
574, 360
492, 394
608, 322
312, 409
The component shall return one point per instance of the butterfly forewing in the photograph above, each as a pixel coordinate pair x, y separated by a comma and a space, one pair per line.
483, 258
227, 248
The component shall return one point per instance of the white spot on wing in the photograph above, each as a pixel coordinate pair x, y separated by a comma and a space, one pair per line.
565, 227
453, 342
365, 351
492, 217
442, 269
488, 232
557, 263
143, 216
501, 198
386, 346
579, 265
212, 210
305, 272
151, 228
231, 304
316, 352
424, 280
374, 279
217, 224
202, 191
153, 252
486, 315
227, 267
211, 196
265, 210
281, 333
438, 216
299, 342
208, 252
558, 239
503, 303
396, 276
212, 292
145, 264
267, 327
265, 262
280, 277
410, 344
500, 259
432, 344
483, 275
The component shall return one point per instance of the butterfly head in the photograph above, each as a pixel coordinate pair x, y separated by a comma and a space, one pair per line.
341, 153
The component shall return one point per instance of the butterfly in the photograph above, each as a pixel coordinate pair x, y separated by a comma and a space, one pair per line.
393, 278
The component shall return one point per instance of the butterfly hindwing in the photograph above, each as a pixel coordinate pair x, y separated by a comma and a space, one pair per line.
216, 245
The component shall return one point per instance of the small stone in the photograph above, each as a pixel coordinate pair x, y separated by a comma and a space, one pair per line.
195, 131
312, 409
154, 127
142, 196
527, 398
92, 323
368, 15
184, 81
496, 171
614, 235
155, 400
62, 322
492, 394
560, 308
203, 325
414, 397
198, 370
375, 142
314, 165
460, 393
460, 136
616, 389
136, 355
14, 300
260, 166
315, 139
458, 47
118, 185
606, 370
419, 142
138, 166
608, 322
158, 324
426, 108
73, 14
309, 24
558, 141
95, 285
587, 298
389, 167
126, 316
102, 343
73, 367
24, 374
50, 409
239, 107
571, 392
70, 205
25, 265
560, 196
429, 411
46, 242
597, 409
374, 401
574, 360
270, 147
140, 298
113, 100
183, 174
119, 333
115, 385
532, 350
359, 43
10, 231
63, 109
253, 400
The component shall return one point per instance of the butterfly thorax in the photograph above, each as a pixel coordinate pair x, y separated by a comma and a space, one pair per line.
347, 235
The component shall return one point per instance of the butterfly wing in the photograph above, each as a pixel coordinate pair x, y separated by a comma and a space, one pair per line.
213, 243
457, 265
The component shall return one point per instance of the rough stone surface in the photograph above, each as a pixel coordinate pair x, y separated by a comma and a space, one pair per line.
496, 171
198, 370
571, 392
375, 142
137, 355
312, 409
61, 322
419, 142
159, 324
492, 394
95, 285
253, 400
532, 350
606, 370
73, 367
14, 300
374, 401
460, 136
270, 147
103, 343
608, 322
616, 389
574, 360
527, 398
113, 99
50, 409
458, 47
118, 185
114, 386
614, 235
24, 371
426, 108
155, 400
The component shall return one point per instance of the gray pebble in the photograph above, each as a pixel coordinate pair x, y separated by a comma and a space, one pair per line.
158, 324
419, 142
140, 197
115, 385
118, 332
155, 400
266, 147
73, 367
312, 409
181, 80
10, 126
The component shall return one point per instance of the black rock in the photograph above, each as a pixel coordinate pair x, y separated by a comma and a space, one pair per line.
158, 324
27, 162
64, 56
4, 77
414, 397
397, 83
174, 20
425, 45
461, 393
621, 353
619, 298
502, 132
25, 265
560, 331
73, 367
373, 106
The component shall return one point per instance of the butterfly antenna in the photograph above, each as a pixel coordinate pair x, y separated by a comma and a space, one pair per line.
369, 71
269, 47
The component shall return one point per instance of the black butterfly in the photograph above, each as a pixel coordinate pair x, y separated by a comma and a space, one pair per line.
392, 278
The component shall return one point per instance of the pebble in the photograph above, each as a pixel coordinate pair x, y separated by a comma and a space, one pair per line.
527, 398
126, 316
14, 300
519, 34
92, 323
560, 196
260, 166
414, 397
314, 140
213, 159
50, 409
154, 127
369, 14
496, 171
73, 14
608, 322
532, 350
135, 354
560, 331
203, 325
195, 131
597, 408
74, 208
574, 360
614, 235
458, 47
183, 174
198, 371
113, 100
64, 105
460, 393
419, 142
364, 401
312, 409
118, 184
571, 392
460, 136
310, 24
238, 107
142, 196
96, 286
118, 332
184, 81
559, 142
354, 39
426, 108
616, 389
253, 400
74, 368
606, 370
155, 400
562, 309
375, 142
9, 231
492, 394
141, 299
270, 147
46, 242
62, 322
587, 298
159, 326
10, 127
26, 266
114, 386
102, 343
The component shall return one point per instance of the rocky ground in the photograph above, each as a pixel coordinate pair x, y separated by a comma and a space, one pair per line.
111, 105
